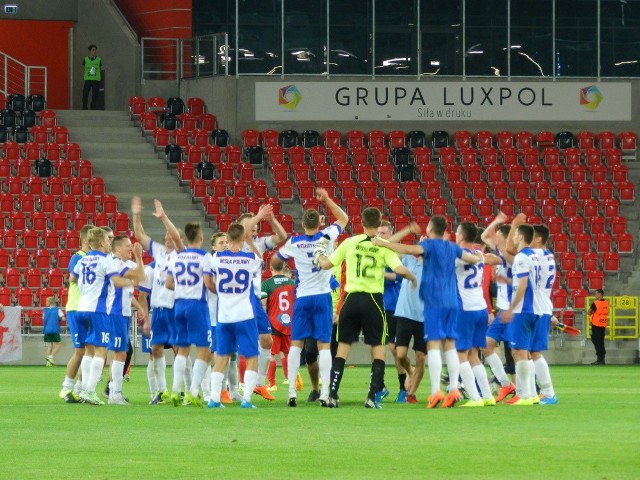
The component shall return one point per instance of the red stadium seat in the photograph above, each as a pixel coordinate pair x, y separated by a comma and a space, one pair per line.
504, 139
375, 138
483, 139
355, 138
606, 140
603, 242
627, 142
422, 155
626, 192
396, 139
559, 297
589, 261
567, 261
585, 139
523, 139
196, 106
582, 242
611, 262
573, 279
624, 242
595, 280
462, 139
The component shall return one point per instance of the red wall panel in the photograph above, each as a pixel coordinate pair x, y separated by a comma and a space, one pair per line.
36, 42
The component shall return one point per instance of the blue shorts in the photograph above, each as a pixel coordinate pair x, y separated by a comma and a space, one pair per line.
241, 337
520, 330
440, 323
77, 328
497, 330
312, 318
99, 328
540, 337
119, 333
472, 329
146, 344
262, 320
213, 338
163, 326
193, 325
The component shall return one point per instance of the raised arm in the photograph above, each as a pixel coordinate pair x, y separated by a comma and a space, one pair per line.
489, 234
138, 230
251, 222
511, 245
398, 247
342, 219
279, 234
171, 229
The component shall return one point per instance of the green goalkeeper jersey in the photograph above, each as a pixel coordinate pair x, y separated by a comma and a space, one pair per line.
365, 264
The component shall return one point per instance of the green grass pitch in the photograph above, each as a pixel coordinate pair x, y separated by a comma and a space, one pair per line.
593, 433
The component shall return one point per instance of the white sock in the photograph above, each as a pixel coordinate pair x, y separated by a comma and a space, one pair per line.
85, 369
67, 384
469, 380
151, 377
453, 367
216, 386
532, 379
483, 380
179, 365
206, 384
95, 370
188, 373
263, 365
434, 362
117, 376
199, 371
497, 367
250, 379
324, 366
232, 375
523, 385
77, 388
161, 373
544, 376
293, 363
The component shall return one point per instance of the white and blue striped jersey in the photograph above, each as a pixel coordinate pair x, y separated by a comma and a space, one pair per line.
469, 278
410, 305
312, 279
119, 299
547, 277
187, 269
262, 245
526, 264
505, 290
93, 272
146, 285
234, 275
161, 296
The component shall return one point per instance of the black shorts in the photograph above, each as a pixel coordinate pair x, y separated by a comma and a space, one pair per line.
408, 329
392, 321
363, 312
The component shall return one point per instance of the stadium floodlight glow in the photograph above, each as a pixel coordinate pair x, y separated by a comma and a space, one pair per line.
10, 8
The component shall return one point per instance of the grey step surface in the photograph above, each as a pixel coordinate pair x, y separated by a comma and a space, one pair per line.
129, 165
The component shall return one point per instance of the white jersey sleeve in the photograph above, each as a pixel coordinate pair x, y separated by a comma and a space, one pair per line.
526, 265
161, 296
547, 277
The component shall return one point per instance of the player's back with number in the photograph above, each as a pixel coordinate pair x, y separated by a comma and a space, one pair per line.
547, 277
365, 264
235, 273
470, 284
187, 270
93, 272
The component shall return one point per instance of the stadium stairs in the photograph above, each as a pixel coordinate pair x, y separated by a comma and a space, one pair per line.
129, 166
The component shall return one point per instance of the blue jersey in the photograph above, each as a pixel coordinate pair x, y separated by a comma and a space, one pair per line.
391, 291
51, 319
438, 288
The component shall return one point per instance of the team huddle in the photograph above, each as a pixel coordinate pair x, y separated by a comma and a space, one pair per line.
433, 293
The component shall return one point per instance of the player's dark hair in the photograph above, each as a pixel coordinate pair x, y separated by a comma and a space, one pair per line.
311, 219
479, 232
117, 240
526, 231
600, 291
235, 232
541, 231
469, 231
92, 46
191, 231
438, 225
371, 217
504, 229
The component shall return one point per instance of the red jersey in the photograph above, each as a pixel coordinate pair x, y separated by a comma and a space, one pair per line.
280, 294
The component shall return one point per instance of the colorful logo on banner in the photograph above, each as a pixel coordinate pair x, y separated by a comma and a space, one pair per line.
289, 97
590, 97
